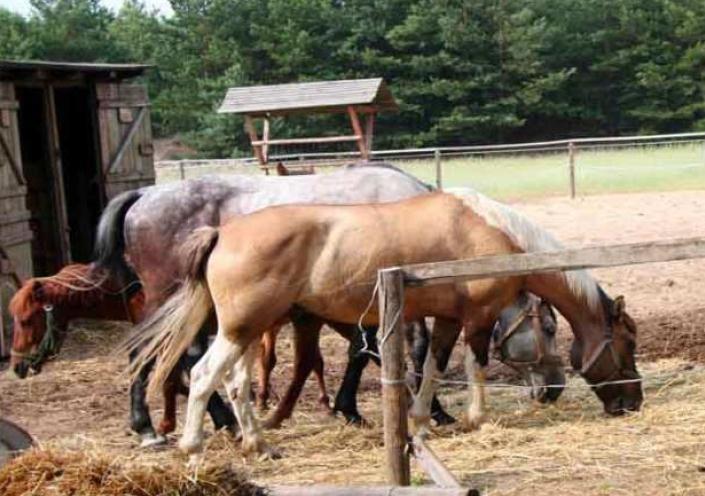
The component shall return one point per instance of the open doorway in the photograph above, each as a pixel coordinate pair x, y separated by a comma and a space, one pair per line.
80, 169
36, 164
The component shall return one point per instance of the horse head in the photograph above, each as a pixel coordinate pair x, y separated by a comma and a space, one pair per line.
35, 335
525, 339
611, 368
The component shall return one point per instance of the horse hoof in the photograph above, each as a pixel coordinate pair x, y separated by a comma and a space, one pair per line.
260, 447
442, 418
324, 401
194, 461
356, 420
271, 423
190, 446
473, 422
420, 426
151, 441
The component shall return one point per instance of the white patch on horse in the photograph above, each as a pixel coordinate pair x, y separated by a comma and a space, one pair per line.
529, 237
475, 414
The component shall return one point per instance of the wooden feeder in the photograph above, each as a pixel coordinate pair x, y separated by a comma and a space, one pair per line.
361, 99
72, 136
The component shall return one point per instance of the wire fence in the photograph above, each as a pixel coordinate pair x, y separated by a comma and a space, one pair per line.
576, 167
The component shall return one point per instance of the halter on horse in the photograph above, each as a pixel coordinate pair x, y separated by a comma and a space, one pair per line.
525, 340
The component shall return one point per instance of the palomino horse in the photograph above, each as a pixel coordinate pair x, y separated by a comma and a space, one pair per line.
324, 259
534, 359
44, 306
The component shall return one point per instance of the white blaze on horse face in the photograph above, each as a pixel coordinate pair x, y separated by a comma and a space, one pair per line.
476, 400
421, 409
205, 377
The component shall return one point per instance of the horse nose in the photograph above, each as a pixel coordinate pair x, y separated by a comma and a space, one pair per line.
21, 370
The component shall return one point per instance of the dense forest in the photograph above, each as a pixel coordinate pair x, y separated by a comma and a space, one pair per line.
463, 71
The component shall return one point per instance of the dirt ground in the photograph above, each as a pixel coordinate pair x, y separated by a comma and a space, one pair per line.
81, 398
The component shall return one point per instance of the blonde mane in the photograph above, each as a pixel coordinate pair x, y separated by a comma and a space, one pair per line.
529, 237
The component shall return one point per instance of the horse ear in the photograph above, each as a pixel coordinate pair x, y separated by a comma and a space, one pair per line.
38, 291
618, 307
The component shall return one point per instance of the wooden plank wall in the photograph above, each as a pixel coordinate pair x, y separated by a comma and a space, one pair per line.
15, 234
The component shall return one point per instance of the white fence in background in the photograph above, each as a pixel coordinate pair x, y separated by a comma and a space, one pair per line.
436, 155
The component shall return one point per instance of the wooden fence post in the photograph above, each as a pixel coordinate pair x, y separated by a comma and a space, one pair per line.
439, 168
182, 171
571, 167
394, 397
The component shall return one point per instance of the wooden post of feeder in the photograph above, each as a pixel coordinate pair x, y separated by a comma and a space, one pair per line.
394, 403
571, 167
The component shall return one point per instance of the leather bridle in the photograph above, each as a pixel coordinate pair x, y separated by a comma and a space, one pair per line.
619, 372
543, 357
48, 346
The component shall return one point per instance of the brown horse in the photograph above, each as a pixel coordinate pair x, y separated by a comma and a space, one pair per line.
43, 307
324, 259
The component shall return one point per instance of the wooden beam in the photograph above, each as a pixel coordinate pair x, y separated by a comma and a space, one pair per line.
322, 490
357, 128
300, 141
572, 259
430, 463
254, 139
126, 140
394, 398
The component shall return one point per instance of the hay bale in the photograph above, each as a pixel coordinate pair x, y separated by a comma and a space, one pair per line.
58, 472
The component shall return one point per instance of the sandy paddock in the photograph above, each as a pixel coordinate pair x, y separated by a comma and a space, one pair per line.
81, 399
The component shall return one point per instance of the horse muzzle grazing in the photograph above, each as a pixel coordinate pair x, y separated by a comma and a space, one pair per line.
524, 339
28, 358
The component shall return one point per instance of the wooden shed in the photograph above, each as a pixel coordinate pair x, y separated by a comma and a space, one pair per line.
361, 99
72, 136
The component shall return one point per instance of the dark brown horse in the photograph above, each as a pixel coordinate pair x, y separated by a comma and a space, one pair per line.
324, 259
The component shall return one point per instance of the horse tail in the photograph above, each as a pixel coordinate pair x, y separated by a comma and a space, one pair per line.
166, 334
110, 238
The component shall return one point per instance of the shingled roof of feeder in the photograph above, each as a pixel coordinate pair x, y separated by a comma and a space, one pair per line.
319, 96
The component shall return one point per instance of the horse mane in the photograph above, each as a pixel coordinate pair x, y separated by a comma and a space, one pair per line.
387, 165
529, 237
72, 285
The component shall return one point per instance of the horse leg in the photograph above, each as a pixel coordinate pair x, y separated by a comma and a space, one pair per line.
307, 329
267, 362
477, 345
210, 370
318, 367
219, 412
446, 333
420, 411
346, 399
237, 384
169, 392
140, 421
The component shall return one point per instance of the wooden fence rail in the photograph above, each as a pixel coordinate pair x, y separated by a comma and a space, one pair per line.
391, 300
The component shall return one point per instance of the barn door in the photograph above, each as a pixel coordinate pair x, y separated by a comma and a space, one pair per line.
126, 147
15, 233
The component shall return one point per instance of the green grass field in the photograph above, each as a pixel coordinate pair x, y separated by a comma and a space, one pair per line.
514, 176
